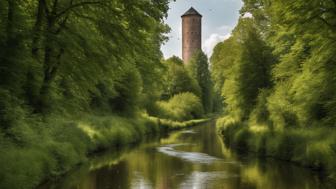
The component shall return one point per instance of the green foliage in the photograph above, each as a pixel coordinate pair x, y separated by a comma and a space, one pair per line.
26, 161
276, 76
178, 80
77, 59
10, 111
128, 90
281, 50
241, 68
305, 47
311, 147
167, 124
199, 69
181, 107
59, 56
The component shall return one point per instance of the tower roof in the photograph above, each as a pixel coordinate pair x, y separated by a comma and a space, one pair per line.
190, 12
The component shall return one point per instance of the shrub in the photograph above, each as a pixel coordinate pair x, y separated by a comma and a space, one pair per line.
10, 111
313, 147
181, 107
25, 161
241, 139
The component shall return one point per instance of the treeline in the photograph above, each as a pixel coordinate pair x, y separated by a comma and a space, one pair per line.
73, 76
101, 56
77, 55
187, 90
276, 76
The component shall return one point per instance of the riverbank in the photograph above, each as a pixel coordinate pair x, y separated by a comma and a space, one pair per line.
41, 149
190, 158
310, 147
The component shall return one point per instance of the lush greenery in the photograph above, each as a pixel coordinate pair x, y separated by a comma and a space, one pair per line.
199, 69
181, 107
177, 79
67, 56
55, 146
187, 89
276, 77
77, 76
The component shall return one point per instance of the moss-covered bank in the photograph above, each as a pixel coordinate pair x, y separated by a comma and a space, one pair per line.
41, 149
313, 147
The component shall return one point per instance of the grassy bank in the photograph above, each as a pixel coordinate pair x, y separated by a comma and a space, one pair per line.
310, 147
37, 150
169, 125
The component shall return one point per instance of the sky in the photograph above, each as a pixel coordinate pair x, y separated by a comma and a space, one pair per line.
219, 18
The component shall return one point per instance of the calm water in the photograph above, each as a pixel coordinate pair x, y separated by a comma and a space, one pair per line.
189, 159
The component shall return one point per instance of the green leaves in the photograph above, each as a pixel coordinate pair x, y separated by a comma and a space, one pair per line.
241, 68
66, 52
199, 69
287, 47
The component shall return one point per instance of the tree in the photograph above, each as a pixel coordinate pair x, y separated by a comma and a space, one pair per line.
242, 67
302, 35
178, 80
80, 55
199, 69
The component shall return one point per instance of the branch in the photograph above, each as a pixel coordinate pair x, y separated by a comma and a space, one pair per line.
326, 22
78, 5
55, 67
54, 9
62, 25
47, 11
85, 17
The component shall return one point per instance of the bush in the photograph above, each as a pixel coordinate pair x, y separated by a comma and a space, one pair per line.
10, 111
241, 139
25, 161
312, 147
181, 107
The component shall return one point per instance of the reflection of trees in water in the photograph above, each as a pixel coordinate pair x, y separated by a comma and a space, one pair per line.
146, 167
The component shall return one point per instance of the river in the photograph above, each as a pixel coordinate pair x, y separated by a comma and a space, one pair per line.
195, 158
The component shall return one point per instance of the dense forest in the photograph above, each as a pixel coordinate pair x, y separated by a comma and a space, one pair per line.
79, 76
276, 76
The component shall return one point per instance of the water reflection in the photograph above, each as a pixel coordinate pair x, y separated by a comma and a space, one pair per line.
195, 157
191, 159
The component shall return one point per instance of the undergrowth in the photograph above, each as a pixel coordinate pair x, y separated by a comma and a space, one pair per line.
313, 147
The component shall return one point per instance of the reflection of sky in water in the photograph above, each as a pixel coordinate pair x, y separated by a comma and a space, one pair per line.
199, 180
197, 161
188, 132
195, 157
139, 182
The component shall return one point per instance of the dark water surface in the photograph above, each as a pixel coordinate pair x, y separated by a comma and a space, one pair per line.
191, 159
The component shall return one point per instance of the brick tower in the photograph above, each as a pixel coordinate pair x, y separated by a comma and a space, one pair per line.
191, 33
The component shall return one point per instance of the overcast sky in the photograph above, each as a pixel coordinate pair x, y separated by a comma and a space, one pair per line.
219, 18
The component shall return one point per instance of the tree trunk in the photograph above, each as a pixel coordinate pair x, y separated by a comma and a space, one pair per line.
10, 20
38, 28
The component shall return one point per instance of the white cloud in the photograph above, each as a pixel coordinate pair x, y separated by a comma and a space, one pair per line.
225, 29
212, 41
219, 17
247, 15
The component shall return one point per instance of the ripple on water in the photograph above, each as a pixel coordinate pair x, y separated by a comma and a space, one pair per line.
203, 179
194, 157
140, 182
188, 132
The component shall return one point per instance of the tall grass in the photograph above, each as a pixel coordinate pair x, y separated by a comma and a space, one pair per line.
34, 150
313, 147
